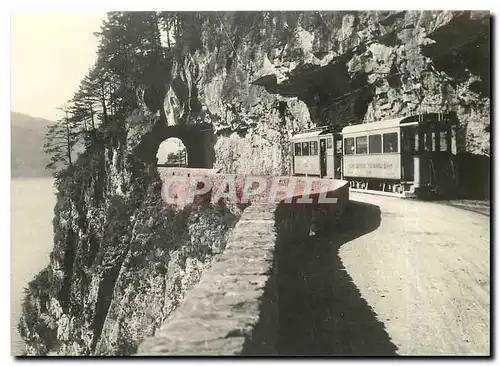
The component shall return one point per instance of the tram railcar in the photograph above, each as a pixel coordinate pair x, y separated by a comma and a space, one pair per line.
317, 152
407, 155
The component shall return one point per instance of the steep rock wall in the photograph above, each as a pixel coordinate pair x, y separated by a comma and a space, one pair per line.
260, 77
122, 259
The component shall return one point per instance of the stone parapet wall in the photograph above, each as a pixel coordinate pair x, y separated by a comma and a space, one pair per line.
220, 313
233, 310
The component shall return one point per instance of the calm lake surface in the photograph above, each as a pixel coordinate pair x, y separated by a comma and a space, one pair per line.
32, 207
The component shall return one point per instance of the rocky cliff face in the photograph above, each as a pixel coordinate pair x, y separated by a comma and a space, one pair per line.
122, 259
260, 77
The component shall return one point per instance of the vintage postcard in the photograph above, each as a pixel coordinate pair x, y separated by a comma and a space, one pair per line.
311, 183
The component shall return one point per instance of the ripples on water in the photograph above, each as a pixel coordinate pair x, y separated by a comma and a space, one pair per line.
32, 206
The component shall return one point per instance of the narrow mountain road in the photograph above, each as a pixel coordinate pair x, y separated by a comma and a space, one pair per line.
425, 271
396, 277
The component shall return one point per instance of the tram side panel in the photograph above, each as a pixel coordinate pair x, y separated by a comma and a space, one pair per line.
372, 155
306, 165
380, 166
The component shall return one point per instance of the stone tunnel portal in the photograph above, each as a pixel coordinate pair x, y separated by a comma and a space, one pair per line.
198, 140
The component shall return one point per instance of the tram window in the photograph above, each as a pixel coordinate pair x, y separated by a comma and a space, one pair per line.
349, 146
375, 146
361, 145
431, 141
298, 151
408, 141
314, 147
305, 148
417, 145
390, 142
338, 147
329, 143
443, 143
428, 141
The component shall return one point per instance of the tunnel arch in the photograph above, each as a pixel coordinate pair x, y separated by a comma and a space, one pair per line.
199, 140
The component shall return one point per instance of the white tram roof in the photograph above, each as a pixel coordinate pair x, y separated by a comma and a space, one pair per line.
309, 135
371, 126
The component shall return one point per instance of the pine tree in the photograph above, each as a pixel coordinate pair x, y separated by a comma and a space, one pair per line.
59, 142
92, 103
130, 56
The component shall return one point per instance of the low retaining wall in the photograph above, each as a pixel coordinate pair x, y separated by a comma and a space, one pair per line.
168, 171
233, 310
185, 186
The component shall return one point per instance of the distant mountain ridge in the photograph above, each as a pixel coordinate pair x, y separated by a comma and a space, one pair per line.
28, 159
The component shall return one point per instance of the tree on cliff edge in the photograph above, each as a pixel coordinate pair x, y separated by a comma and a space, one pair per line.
130, 54
93, 105
59, 143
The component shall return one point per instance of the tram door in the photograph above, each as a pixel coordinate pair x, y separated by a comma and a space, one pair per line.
409, 148
322, 156
337, 156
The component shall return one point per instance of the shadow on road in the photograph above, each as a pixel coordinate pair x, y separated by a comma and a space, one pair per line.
479, 207
320, 309
474, 176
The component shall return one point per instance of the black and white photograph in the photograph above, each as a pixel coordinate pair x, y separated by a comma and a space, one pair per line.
250, 183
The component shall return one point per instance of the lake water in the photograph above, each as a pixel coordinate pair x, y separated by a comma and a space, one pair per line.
32, 207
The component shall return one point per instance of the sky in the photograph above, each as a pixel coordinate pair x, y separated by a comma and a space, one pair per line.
50, 54
170, 145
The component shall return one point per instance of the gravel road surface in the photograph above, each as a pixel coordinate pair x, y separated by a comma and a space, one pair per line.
396, 277
425, 270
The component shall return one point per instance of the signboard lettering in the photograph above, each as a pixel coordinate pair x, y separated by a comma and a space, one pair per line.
384, 165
